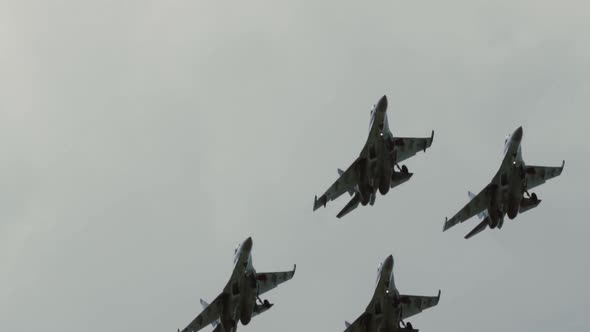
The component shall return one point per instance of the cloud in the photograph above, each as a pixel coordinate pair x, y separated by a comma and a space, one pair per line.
142, 140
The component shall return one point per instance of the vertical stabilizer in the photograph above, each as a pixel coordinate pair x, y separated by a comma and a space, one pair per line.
353, 204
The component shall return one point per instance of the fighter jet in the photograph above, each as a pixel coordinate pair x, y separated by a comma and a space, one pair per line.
240, 299
388, 308
505, 195
375, 167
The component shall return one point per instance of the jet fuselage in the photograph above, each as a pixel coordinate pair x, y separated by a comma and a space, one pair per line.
241, 291
388, 308
385, 312
508, 186
377, 156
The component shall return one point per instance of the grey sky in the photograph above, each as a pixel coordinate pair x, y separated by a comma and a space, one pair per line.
141, 140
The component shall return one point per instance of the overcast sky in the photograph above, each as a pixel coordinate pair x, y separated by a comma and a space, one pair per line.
142, 140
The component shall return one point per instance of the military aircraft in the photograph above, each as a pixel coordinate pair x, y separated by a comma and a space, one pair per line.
505, 195
240, 299
375, 166
388, 308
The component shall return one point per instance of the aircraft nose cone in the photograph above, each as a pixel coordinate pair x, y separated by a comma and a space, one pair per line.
388, 263
248, 244
518, 133
382, 106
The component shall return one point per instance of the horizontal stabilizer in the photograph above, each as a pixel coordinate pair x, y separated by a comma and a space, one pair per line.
260, 308
482, 225
398, 178
353, 204
528, 204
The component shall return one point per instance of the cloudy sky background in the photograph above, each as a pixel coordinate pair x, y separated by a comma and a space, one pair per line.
142, 140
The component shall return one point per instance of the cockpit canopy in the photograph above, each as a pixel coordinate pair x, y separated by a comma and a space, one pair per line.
372, 116
236, 253
379, 267
506, 143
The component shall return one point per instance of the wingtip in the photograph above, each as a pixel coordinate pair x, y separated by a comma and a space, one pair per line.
322, 201
445, 224
427, 144
562, 164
